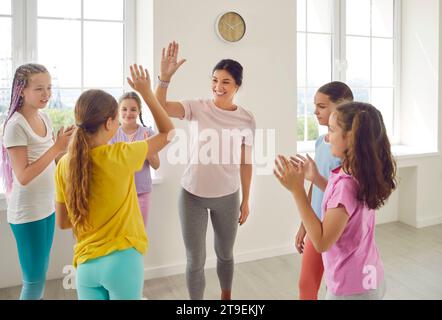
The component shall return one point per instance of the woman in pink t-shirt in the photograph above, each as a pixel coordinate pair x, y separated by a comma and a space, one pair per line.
221, 140
345, 236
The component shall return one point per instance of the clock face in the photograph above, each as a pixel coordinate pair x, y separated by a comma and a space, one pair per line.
231, 27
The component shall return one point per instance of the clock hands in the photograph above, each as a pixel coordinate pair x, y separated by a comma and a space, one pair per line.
232, 27
229, 25
236, 25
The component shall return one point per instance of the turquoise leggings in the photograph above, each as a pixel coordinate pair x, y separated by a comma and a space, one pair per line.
34, 242
117, 276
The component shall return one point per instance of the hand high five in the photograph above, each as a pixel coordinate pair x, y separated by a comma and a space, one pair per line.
140, 80
169, 61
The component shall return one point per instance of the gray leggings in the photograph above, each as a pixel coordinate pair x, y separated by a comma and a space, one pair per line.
224, 214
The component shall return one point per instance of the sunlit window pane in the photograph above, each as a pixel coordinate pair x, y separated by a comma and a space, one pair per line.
302, 60
59, 49
312, 122
59, 8
103, 52
301, 113
5, 52
319, 16
358, 58
368, 49
358, 17
319, 52
382, 18
117, 93
301, 101
61, 107
382, 58
310, 101
5, 7
361, 94
383, 100
93, 9
300, 11
5, 96
64, 98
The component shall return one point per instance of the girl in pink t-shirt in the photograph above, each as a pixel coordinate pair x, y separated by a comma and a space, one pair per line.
345, 236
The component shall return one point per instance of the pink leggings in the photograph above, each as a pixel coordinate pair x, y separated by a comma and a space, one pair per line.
144, 202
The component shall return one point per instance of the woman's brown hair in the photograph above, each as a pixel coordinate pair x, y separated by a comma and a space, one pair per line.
93, 109
368, 157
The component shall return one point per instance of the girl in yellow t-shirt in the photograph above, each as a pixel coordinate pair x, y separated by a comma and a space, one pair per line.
97, 198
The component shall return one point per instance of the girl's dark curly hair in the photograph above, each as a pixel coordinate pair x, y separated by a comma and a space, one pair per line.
368, 157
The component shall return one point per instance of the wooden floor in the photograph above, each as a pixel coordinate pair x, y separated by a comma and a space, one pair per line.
412, 259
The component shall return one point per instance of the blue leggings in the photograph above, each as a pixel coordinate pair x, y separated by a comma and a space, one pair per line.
34, 242
116, 276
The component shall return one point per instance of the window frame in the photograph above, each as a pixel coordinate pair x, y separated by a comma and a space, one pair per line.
24, 18
129, 35
339, 63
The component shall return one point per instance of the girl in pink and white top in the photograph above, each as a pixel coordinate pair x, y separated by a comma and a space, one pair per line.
219, 164
131, 131
346, 234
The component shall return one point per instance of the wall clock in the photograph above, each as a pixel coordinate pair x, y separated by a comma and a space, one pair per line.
230, 26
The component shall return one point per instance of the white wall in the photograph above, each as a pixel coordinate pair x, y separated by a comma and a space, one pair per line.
417, 201
268, 91
268, 54
10, 274
420, 116
419, 78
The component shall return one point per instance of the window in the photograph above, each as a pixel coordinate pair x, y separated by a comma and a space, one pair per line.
84, 44
83, 47
354, 41
315, 35
5, 55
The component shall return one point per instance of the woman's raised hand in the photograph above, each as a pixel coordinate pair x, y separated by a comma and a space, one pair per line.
169, 61
140, 80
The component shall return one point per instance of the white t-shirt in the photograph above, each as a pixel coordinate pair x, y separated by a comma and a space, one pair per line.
34, 201
215, 148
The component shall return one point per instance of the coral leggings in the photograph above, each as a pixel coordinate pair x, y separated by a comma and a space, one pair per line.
312, 270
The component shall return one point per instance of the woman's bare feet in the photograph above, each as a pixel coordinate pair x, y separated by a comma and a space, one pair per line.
226, 295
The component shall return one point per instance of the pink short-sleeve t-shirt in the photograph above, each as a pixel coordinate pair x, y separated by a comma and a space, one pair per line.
214, 144
353, 264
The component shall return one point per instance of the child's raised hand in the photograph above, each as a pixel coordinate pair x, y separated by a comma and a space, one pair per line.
290, 176
306, 164
140, 80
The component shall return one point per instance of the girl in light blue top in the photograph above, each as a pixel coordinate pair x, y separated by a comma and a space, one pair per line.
326, 100
325, 163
